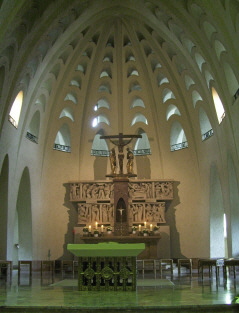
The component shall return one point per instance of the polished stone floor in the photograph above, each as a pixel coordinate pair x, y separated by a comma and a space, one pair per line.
165, 292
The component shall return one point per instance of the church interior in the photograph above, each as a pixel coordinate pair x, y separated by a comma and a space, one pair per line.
119, 124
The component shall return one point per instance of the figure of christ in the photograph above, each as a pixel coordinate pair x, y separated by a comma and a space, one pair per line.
122, 141
121, 159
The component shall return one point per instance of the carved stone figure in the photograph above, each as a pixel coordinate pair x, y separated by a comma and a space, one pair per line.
113, 161
130, 162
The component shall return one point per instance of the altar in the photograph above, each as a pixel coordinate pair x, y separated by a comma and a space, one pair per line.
107, 266
122, 208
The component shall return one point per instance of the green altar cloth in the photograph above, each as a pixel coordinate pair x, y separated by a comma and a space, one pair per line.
105, 249
107, 265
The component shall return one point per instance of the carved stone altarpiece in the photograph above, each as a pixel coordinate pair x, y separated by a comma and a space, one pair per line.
144, 201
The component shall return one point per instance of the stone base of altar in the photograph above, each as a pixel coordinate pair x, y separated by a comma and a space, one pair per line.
107, 273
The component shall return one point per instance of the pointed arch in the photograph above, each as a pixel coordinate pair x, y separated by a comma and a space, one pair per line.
205, 125
234, 200
63, 139
217, 244
99, 146
139, 117
218, 105
101, 103
178, 138
142, 145
232, 82
67, 112
137, 102
71, 97
134, 86
167, 94
100, 119
33, 129
171, 110
196, 97
4, 181
41, 101
162, 79
24, 217
15, 111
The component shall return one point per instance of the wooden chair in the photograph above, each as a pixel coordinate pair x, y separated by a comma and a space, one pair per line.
67, 266
48, 266
186, 263
164, 263
146, 265
6, 265
24, 263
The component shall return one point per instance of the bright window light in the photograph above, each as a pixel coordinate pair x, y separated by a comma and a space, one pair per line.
218, 106
16, 109
225, 225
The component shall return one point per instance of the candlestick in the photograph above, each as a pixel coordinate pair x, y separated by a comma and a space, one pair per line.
145, 224
96, 225
102, 228
151, 227
139, 227
90, 228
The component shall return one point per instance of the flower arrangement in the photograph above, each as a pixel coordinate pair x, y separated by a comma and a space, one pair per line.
96, 231
145, 231
85, 229
156, 228
134, 228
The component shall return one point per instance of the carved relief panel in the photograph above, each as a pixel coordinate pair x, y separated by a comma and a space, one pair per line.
159, 190
146, 201
91, 213
91, 191
147, 212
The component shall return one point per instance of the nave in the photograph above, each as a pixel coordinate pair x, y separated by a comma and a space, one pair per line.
59, 293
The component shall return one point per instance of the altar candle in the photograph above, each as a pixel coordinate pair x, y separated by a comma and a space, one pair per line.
145, 224
96, 225
139, 227
90, 228
151, 227
102, 228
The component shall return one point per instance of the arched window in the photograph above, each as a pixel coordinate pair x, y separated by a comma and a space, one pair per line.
137, 102
71, 97
162, 79
76, 82
172, 109
15, 111
205, 125
67, 112
104, 88
33, 129
62, 141
139, 118
100, 119
178, 138
142, 145
218, 105
167, 94
196, 97
101, 103
99, 146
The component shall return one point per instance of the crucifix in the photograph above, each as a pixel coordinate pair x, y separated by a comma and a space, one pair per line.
120, 141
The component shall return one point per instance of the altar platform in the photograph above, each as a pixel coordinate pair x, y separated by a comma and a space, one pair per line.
170, 294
